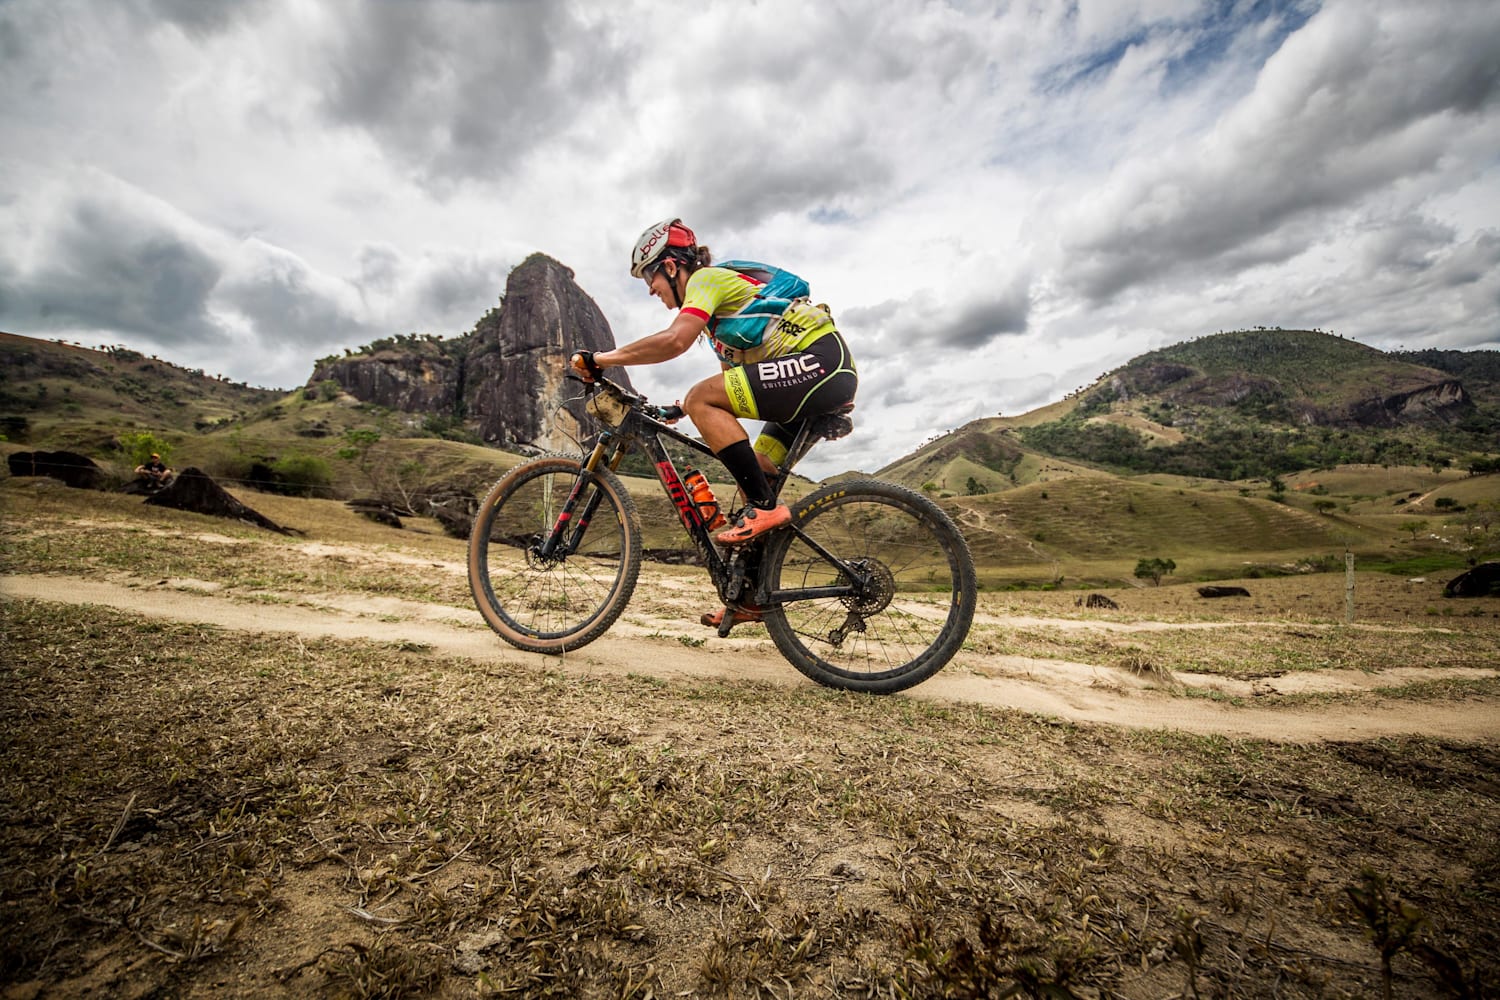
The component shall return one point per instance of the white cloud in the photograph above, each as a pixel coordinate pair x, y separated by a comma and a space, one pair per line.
998, 204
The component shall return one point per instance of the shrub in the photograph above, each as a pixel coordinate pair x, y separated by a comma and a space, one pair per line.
302, 475
141, 445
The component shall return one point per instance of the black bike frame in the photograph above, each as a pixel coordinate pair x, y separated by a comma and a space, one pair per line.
730, 576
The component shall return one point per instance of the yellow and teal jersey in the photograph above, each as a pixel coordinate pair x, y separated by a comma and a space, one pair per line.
718, 293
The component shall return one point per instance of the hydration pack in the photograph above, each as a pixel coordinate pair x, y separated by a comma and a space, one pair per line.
778, 289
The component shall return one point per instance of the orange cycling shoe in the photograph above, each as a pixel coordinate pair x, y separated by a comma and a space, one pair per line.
744, 616
753, 523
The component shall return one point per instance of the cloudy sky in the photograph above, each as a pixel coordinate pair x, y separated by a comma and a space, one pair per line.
1000, 201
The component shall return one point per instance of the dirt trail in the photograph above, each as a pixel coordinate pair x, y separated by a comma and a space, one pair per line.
1077, 692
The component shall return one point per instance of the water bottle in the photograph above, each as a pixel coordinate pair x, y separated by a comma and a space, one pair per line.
703, 499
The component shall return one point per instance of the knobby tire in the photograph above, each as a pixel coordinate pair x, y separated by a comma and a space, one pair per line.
558, 603
915, 610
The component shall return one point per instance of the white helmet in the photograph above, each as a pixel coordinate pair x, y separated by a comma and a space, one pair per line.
655, 241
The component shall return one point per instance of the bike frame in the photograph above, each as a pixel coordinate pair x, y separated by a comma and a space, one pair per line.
735, 577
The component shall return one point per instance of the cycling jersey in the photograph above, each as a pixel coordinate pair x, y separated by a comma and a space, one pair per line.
801, 368
716, 292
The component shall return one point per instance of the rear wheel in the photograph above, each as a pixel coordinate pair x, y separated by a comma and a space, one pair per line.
897, 609
552, 599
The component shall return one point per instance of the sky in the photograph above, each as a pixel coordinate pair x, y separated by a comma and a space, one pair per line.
999, 201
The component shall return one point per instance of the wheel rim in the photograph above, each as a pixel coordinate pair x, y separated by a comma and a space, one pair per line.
898, 621
560, 593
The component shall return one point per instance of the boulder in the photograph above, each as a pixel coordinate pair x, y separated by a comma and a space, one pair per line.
78, 471
1214, 590
1097, 601
1481, 581
195, 490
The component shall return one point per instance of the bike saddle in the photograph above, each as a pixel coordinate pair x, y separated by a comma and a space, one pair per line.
832, 426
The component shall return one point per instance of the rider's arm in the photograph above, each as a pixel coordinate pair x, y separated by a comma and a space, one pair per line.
661, 346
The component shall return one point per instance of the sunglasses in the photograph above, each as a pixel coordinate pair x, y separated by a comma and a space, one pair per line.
650, 272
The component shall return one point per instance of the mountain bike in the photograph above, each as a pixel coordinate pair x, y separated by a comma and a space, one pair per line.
870, 588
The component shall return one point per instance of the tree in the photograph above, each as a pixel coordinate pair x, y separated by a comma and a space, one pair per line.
1324, 506
1482, 517
357, 444
1154, 569
1413, 527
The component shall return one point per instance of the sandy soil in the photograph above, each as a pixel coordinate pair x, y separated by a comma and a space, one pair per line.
659, 636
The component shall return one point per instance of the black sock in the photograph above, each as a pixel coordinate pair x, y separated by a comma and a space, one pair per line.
739, 458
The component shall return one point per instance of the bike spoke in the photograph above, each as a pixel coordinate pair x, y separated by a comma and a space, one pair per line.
534, 591
903, 573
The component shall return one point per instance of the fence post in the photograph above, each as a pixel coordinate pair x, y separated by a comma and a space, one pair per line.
1348, 586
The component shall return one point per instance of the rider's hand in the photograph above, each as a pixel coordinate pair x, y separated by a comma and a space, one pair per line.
673, 413
585, 367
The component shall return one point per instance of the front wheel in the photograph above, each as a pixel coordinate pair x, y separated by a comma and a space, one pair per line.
876, 587
554, 554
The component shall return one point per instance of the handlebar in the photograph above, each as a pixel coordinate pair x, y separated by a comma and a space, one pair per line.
633, 400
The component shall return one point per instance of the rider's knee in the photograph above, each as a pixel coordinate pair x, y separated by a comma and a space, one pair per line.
699, 398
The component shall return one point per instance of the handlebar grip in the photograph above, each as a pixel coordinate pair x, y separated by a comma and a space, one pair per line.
586, 358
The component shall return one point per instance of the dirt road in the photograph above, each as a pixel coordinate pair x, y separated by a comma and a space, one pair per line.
667, 646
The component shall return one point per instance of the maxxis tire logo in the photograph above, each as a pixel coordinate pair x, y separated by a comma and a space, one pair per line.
820, 502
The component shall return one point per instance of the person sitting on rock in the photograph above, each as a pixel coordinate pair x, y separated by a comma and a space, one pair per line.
153, 472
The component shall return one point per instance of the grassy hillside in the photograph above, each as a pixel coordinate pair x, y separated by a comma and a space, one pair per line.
1272, 402
1031, 518
1096, 529
56, 396
985, 456
61, 394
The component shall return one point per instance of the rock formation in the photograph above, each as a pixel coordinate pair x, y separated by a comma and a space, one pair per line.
78, 471
505, 380
195, 490
1480, 581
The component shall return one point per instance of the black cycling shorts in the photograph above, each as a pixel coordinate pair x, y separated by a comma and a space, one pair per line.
785, 391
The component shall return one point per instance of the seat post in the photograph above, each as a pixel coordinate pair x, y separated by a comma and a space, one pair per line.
814, 429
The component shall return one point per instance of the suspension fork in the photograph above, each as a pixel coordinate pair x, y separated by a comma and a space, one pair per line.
554, 545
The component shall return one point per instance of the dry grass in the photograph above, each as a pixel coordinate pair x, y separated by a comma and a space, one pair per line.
186, 811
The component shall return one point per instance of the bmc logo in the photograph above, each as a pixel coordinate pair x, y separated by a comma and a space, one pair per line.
788, 367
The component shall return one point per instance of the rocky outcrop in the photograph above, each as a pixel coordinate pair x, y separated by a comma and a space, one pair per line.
1439, 402
195, 490
1221, 591
514, 379
1150, 379
505, 380
1480, 581
410, 376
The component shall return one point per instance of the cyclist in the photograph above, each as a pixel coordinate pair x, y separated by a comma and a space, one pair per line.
801, 368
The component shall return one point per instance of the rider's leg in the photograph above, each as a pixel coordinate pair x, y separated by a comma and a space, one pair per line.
707, 404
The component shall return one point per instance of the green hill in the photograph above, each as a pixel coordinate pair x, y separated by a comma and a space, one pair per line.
1244, 405
56, 392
